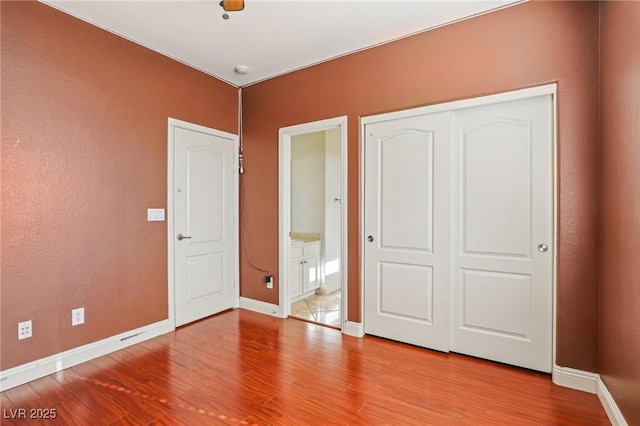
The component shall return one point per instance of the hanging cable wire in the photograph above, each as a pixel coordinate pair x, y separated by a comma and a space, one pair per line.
243, 222
241, 153
242, 190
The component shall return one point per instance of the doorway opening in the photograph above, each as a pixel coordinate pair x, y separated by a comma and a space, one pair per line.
313, 219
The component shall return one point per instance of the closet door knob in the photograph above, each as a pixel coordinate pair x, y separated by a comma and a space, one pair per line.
370, 238
543, 248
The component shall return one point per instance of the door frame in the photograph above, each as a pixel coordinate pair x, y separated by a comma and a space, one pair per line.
172, 125
284, 206
547, 89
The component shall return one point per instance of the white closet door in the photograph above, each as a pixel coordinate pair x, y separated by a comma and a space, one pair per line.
406, 224
502, 232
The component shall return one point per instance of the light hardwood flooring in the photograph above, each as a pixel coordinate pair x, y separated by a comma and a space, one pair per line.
244, 368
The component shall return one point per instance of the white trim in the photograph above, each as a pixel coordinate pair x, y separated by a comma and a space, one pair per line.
609, 404
236, 220
574, 379
284, 207
556, 196
171, 125
548, 89
355, 329
170, 250
43, 367
592, 383
344, 253
284, 219
260, 307
329, 288
361, 200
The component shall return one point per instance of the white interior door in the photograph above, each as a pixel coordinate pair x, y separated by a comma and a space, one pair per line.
406, 223
203, 227
502, 239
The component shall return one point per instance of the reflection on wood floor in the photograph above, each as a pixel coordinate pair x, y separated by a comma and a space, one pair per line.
323, 309
244, 368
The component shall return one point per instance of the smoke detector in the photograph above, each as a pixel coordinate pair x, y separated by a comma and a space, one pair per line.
241, 69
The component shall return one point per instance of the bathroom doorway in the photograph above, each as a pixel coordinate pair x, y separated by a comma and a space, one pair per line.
312, 172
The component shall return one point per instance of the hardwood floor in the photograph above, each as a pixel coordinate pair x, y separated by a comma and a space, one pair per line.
243, 368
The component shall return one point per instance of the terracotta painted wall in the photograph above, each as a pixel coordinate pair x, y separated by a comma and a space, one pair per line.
84, 154
525, 45
620, 279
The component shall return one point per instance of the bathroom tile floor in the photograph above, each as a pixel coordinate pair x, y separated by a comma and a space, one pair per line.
323, 309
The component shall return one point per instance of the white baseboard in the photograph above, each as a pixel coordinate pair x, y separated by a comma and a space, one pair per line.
575, 379
25, 373
592, 383
613, 412
330, 288
260, 307
355, 329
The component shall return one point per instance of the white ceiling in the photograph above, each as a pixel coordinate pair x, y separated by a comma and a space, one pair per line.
270, 37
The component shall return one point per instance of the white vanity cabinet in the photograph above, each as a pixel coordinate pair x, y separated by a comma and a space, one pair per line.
304, 269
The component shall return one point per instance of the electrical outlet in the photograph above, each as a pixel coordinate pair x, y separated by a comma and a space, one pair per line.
269, 281
77, 316
25, 330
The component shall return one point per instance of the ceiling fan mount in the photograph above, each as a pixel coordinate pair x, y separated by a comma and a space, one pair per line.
231, 6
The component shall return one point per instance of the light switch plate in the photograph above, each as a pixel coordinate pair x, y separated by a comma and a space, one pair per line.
155, 215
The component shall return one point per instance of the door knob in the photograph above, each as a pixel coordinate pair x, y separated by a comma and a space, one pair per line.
543, 248
370, 238
182, 237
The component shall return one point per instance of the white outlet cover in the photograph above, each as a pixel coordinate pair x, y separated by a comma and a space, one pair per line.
77, 316
25, 330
